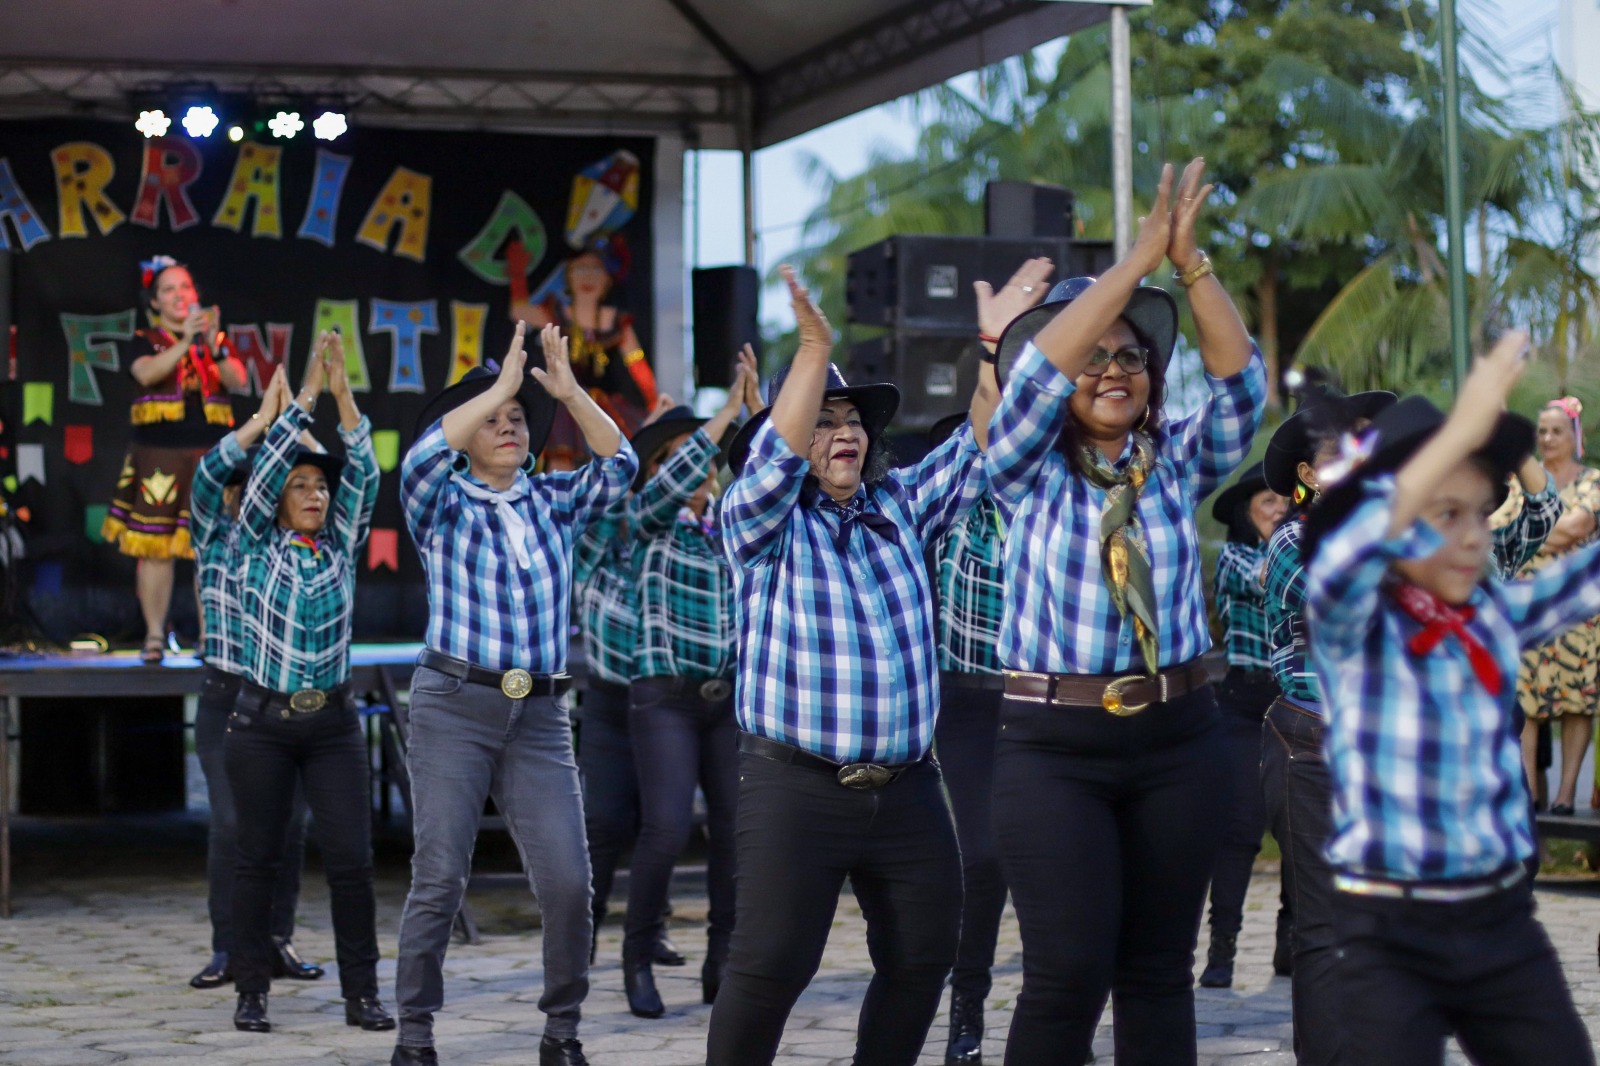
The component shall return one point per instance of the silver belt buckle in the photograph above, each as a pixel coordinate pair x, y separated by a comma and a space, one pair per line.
863, 776
716, 689
516, 683
308, 701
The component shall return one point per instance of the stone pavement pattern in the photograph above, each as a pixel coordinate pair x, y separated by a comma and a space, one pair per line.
93, 970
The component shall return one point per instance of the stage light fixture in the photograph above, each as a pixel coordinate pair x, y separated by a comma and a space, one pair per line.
153, 123
328, 126
286, 124
235, 133
200, 121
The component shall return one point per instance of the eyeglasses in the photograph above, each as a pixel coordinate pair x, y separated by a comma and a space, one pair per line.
1131, 359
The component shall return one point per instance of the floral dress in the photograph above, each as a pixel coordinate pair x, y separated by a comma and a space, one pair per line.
1563, 676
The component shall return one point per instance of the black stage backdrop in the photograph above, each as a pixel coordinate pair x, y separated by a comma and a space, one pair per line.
396, 236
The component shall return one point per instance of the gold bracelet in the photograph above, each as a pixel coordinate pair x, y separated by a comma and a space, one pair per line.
1188, 278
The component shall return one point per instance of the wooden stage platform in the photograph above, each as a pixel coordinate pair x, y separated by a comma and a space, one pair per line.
378, 673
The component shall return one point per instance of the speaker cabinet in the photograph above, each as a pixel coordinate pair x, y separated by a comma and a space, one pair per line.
726, 303
1023, 209
924, 283
935, 371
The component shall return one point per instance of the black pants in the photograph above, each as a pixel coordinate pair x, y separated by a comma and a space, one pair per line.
1299, 798
218, 692
964, 739
1244, 697
610, 784
679, 740
1108, 828
801, 835
1411, 973
325, 754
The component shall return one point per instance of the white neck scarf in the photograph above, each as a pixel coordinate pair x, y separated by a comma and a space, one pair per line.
513, 526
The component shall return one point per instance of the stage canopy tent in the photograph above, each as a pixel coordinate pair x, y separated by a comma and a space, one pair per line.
732, 73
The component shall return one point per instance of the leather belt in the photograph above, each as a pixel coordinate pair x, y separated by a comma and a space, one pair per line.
1430, 892
293, 704
515, 684
710, 689
861, 776
1122, 696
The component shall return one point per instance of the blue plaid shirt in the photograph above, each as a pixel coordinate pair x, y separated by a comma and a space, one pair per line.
296, 601
215, 536
483, 606
685, 589
836, 649
971, 591
607, 596
1242, 605
1426, 764
1059, 615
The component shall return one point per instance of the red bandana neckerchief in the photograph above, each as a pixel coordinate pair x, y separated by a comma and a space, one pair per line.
1438, 619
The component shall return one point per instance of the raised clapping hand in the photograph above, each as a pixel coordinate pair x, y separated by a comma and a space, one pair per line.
1482, 397
1182, 248
330, 346
998, 309
752, 380
274, 398
812, 325
316, 377
556, 376
1155, 229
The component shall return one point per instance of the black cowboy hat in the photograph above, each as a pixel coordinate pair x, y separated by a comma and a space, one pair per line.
1291, 442
1150, 311
330, 464
1400, 431
1250, 482
537, 405
675, 422
877, 404
945, 428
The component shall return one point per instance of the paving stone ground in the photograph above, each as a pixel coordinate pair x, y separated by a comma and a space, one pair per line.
94, 964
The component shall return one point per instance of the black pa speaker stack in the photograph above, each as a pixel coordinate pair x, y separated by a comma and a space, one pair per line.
726, 302
919, 289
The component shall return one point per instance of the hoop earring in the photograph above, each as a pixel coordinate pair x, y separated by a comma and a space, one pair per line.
1144, 426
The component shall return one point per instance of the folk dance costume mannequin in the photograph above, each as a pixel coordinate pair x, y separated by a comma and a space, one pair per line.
183, 373
303, 519
837, 699
214, 530
680, 704
487, 714
1110, 781
1294, 771
1250, 511
1416, 644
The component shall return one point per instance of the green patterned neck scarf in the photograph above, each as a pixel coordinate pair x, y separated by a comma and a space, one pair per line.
1124, 553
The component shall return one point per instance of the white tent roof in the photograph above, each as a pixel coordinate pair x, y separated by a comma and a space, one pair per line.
711, 66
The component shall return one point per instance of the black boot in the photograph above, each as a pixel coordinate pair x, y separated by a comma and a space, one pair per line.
1219, 961
715, 966
413, 1056
215, 975
565, 1051
368, 1013
966, 1030
286, 962
250, 1016
667, 953
640, 985
1283, 953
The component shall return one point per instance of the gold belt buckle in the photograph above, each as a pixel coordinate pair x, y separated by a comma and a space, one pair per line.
864, 775
715, 690
516, 683
308, 700
1112, 700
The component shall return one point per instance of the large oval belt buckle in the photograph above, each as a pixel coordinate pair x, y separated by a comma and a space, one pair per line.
715, 690
864, 775
308, 700
516, 683
1112, 699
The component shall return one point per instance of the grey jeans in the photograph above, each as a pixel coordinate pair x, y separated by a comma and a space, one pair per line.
467, 742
